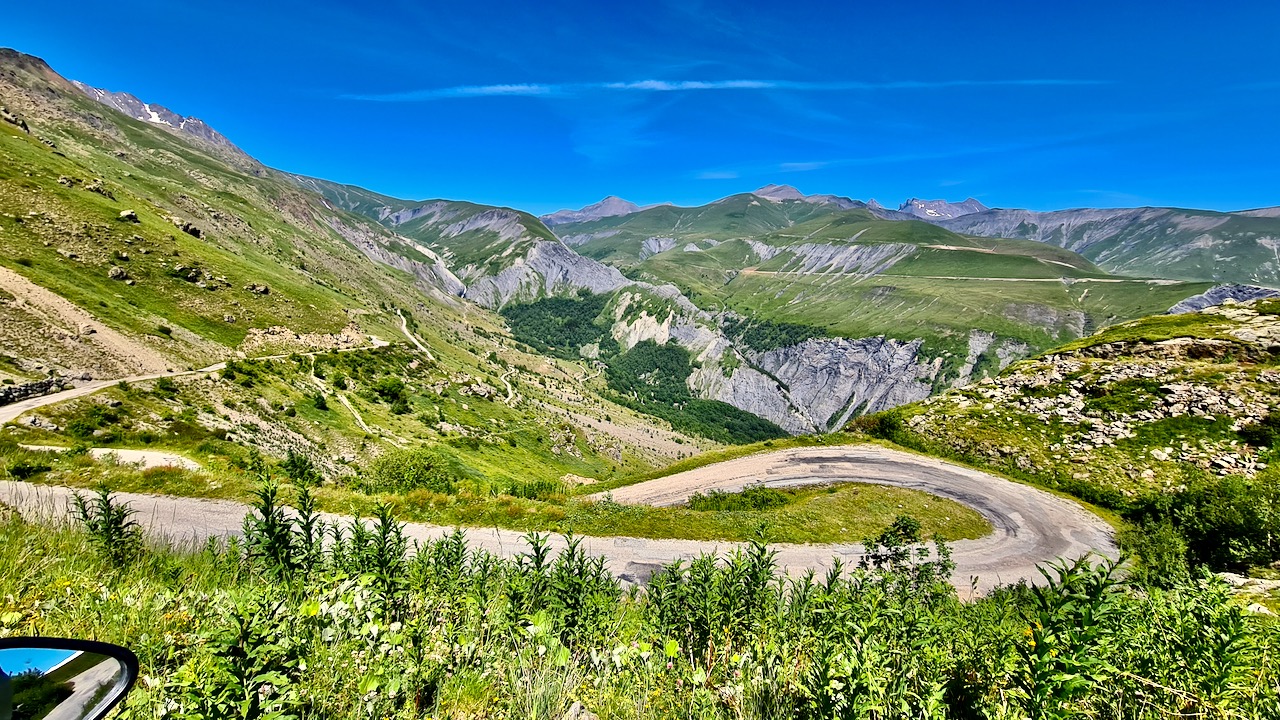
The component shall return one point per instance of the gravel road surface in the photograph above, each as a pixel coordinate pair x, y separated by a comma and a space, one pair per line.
1031, 526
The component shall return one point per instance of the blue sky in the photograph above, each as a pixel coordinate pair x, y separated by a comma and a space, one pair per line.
543, 105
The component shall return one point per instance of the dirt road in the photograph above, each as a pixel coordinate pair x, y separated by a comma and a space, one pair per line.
143, 458
11, 412
1031, 526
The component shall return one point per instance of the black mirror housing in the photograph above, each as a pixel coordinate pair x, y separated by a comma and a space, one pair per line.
63, 679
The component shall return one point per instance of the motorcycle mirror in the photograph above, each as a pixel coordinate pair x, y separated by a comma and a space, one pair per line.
62, 679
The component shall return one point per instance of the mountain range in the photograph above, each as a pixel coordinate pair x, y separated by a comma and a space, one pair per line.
803, 310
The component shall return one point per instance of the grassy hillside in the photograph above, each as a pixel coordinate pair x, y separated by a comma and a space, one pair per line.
850, 274
1172, 421
619, 240
475, 240
214, 260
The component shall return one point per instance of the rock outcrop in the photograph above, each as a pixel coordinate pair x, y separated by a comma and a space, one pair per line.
548, 268
1220, 294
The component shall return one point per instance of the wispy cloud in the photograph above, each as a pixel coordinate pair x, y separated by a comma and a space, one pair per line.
717, 175
461, 91
802, 166
668, 86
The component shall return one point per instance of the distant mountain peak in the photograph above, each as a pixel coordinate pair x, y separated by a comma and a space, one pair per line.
611, 206
159, 115
779, 192
940, 209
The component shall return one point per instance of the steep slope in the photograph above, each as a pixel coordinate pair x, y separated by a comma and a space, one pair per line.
1239, 247
160, 115
497, 255
129, 249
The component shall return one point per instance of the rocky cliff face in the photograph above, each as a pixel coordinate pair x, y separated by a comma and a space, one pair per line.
819, 384
547, 269
813, 386
854, 259
1220, 294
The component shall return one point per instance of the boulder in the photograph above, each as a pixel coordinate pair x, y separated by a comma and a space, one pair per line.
128, 216
97, 187
117, 273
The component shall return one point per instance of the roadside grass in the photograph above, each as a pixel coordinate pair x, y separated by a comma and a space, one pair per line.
362, 627
841, 513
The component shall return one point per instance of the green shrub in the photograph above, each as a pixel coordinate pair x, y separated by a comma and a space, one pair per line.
166, 387
543, 489
23, 468
389, 389
400, 471
1159, 554
1262, 433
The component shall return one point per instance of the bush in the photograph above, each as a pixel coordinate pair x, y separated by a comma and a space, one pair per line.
887, 425
166, 387
1262, 433
319, 402
752, 497
400, 471
389, 389
23, 468
1159, 554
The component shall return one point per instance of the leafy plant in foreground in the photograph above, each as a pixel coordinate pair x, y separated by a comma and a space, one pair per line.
110, 525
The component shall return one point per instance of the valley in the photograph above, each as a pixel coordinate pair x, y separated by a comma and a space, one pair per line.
327, 406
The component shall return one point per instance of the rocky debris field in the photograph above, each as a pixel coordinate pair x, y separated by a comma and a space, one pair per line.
1125, 414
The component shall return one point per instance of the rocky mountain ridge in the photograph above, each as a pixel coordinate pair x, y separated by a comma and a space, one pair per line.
940, 209
160, 115
1241, 247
